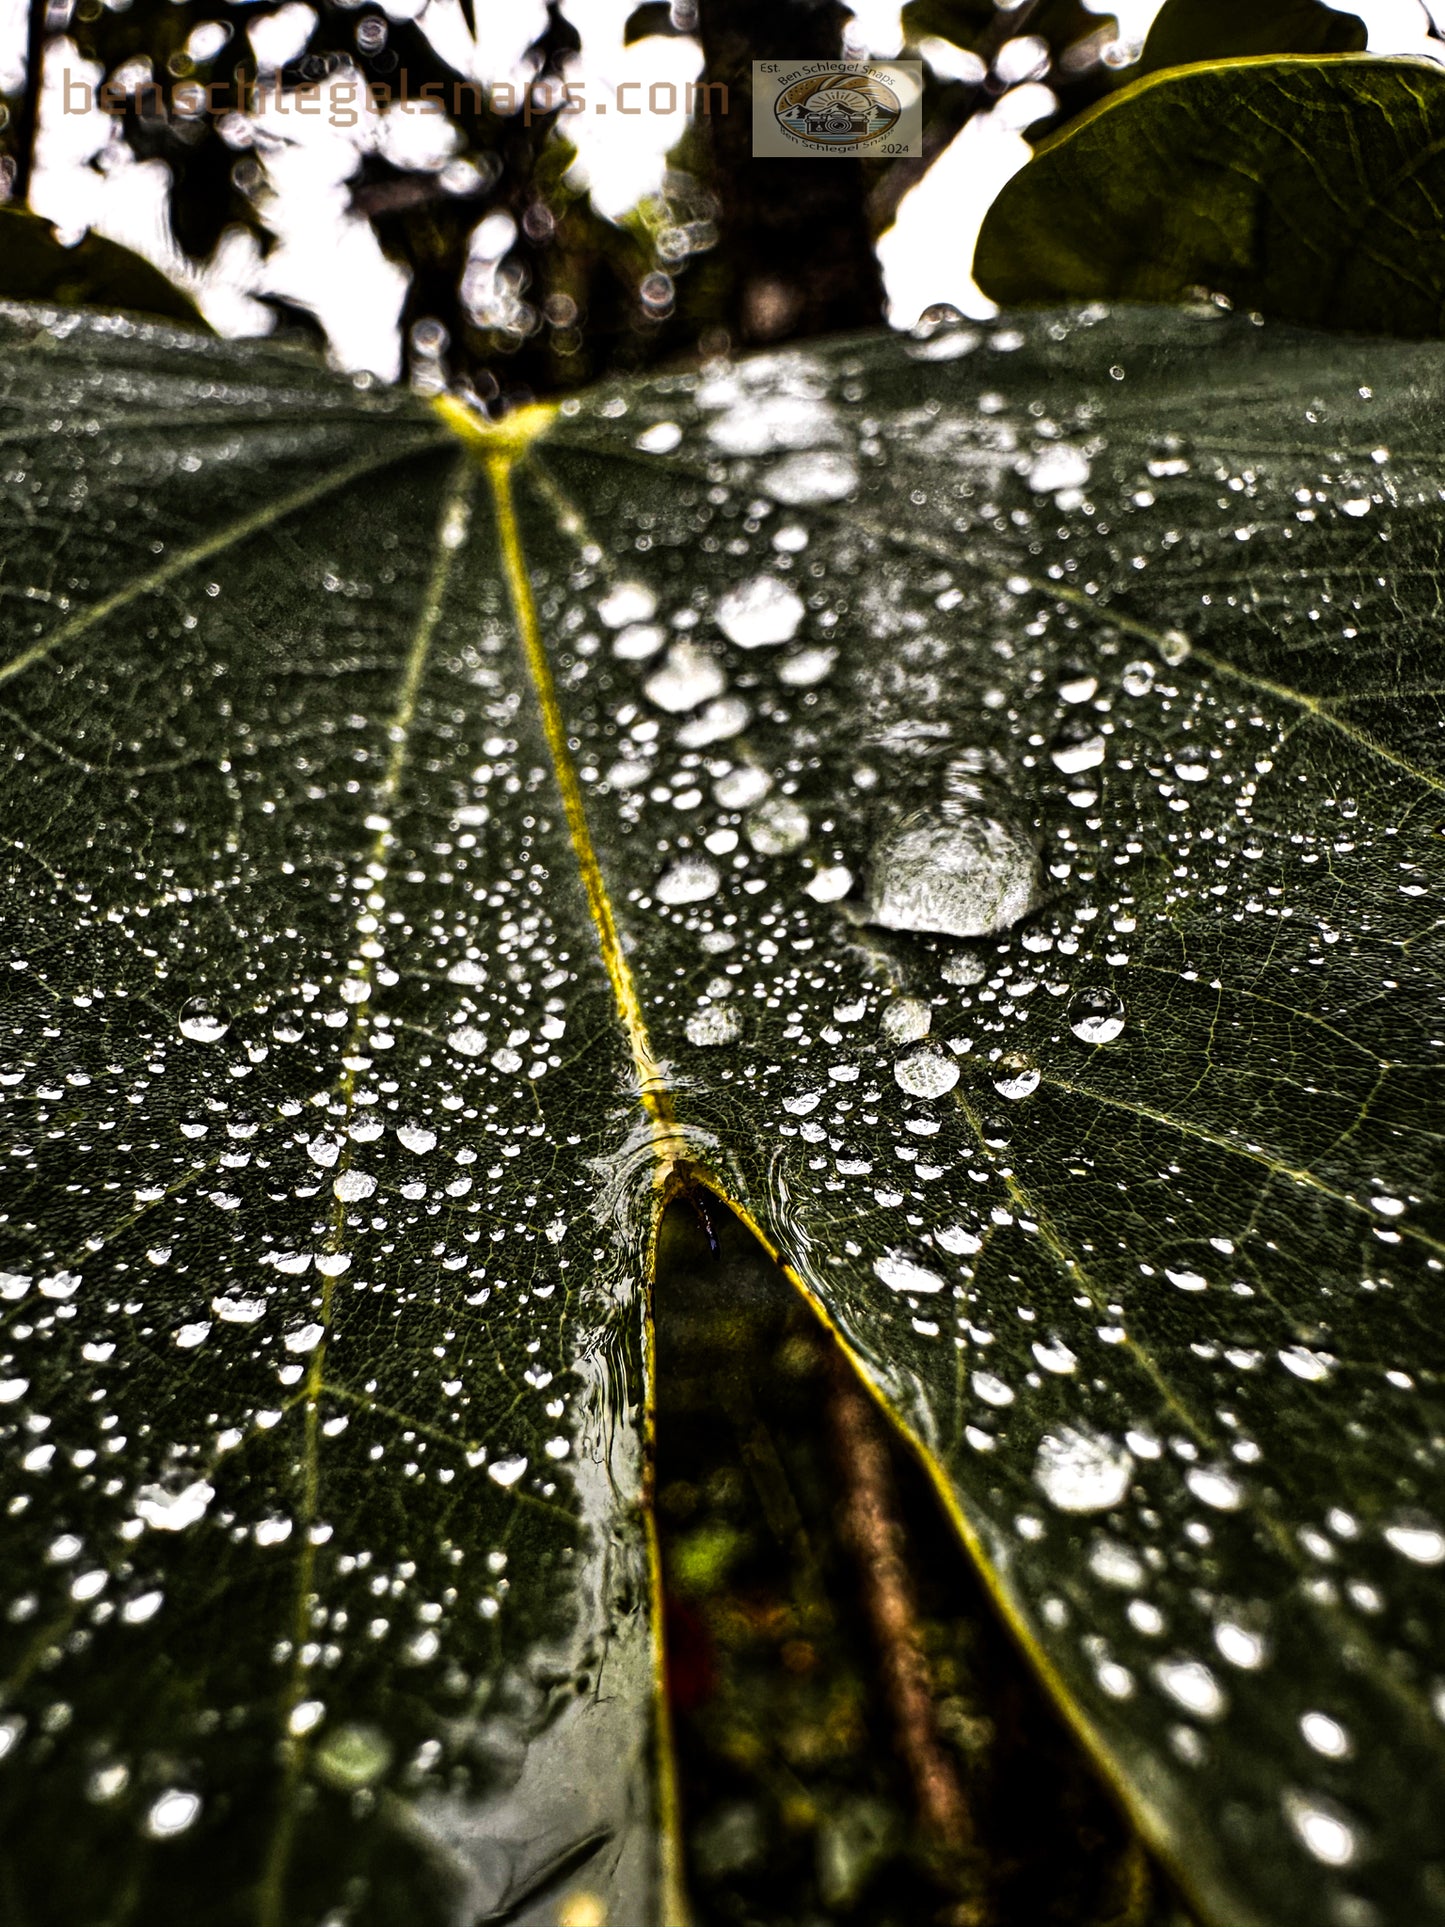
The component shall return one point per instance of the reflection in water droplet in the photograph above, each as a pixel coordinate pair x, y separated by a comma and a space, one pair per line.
954, 872
777, 826
204, 1021
692, 879
1240, 1645
507, 1471
1096, 1016
1081, 1471
760, 612
715, 1025
1215, 1487
925, 1071
416, 1137
239, 1311
1076, 751
1015, 1077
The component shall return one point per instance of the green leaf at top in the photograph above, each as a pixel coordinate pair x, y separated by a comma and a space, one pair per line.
980, 800
1305, 189
1190, 30
95, 273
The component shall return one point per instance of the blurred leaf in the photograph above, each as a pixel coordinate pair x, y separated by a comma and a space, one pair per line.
1305, 189
96, 273
1003, 857
1192, 30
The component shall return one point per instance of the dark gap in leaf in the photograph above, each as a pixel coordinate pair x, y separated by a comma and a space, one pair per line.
798, 1805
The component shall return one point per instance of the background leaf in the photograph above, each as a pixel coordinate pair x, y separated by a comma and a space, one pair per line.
1012, 762
95, 273
1303, 189
1190, 30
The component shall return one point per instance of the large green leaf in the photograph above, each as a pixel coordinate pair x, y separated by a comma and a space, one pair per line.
95, 273
1305, 189
979, 798
1189, 30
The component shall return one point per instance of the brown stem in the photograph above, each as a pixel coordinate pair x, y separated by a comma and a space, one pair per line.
872, 1529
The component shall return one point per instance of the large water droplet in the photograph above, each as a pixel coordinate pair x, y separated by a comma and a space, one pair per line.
760, 612
1015, 1077
956, 872
925, 1071
713, 1026
824, 475
687, 678
1322, 1829
1081, 1471
906, 1020
173, 1511
204, 1021
626, 602
1190, 1684
691, 879
1096, 1016
902, 1273
777, 826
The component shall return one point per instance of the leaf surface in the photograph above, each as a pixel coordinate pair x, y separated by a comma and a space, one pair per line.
1303, 189
1190, 30
980, 800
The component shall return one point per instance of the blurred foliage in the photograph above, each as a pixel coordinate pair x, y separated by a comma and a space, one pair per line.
1190, 30
96, 273
798, 1807
1304, 189
721, 255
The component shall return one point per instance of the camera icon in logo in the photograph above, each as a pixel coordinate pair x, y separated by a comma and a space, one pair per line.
838, 110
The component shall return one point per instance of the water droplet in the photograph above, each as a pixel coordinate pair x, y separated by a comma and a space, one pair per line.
1055, 1356
954, 872
204, 1021
807, 668
1058, 467
1240, 1646
955, 1240
713, 1026
626, 602
661, 439
692, 879
173, 1511
760, 612
416, 1137
925, 1071
901, 1273
1076, 749
507, 1471
742, 786
1078, 687
1418, 1541
639, 641
1325, 1735
905, 1020
822, 475
353, 1756
1183, 1280
1322, 1828
1138, 677
239, 1311
1015, 1077
1190, 1684
828, 886
1215, 1487
171, 1813
777, 826
1303, 1363
1096, 1016
467, 1040
1081, 1471
352, 1186
689, 677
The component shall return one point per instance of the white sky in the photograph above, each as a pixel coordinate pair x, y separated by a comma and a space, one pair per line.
328, 260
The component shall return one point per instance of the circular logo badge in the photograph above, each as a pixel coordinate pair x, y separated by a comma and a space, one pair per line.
838, 110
